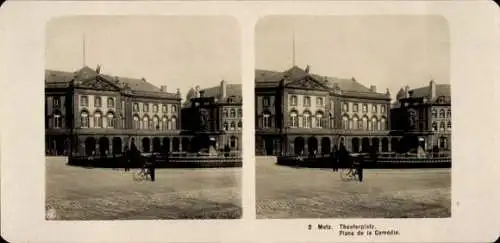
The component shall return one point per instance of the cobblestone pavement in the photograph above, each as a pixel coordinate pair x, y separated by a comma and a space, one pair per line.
76, 193
288, 192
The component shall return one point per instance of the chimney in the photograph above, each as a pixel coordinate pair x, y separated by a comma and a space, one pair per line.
432, 89
407, 88
307, 68
387, 92
178, 93
98, 69
201, 93
223, 88
143, 80
373, 88
163, 88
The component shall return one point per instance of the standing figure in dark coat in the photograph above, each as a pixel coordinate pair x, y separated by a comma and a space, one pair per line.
151, 166
126, 158
359, 168
335, 159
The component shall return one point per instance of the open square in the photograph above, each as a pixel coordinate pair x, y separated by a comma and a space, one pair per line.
77, 193
288, 192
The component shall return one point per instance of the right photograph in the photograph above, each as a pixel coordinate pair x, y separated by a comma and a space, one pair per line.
353, 117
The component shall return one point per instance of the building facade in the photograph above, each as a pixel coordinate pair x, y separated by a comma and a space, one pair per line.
214, 117
422, 117
89, 113
298, 112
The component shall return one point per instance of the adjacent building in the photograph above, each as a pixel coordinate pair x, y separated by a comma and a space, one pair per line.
298, 112
422, 116
214, 117
90, 113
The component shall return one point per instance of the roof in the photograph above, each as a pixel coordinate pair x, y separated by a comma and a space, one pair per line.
267, 78
233, 90
441, 90
55, 78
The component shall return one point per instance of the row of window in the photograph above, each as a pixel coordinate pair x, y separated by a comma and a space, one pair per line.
145, 108
441, 113
364, 107
373, 124
442, 126
84, 101
232, 126
155, 123
306, 101
98, 120
232, 112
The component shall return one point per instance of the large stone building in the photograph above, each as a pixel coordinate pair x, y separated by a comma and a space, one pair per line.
214, 117
422, 117
300, 112
101, 114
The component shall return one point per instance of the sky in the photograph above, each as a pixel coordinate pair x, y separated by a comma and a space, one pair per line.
385, 51
177, 51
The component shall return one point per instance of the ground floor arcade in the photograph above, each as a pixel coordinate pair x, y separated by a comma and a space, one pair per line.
103, 144
308, 144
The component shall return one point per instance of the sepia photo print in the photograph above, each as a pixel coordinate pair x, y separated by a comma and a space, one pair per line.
353, 117
143, 118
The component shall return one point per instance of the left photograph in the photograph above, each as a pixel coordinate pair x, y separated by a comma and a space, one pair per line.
143, 118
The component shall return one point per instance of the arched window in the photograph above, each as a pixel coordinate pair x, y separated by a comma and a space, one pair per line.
111, 102
136, 107
145, 122
164, 123
434, 126
155, 108
226, 126
382, 109
173, 123
374, 124
355, 121
232, 113
307, 119
365, 123
332, 121
294, 122
137, 122
234, 141
351, 124
226, 113
319, 120
293, 100
441, 113
266, 119
240, 112
110, 119
448, 113
84, 116
434, 113
442, 126
383, 124
156, 123
365, 108
449, 124
98, 119
97, 101
174, 108
233, 126
240, 125
57, 119
164, 108
265, 101
374, 108
345, 122
145, 107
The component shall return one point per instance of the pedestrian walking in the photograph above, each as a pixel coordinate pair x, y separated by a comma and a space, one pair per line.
360, 167
151, 167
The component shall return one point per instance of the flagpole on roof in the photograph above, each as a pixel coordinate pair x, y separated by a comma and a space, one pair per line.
293, 48
83, 50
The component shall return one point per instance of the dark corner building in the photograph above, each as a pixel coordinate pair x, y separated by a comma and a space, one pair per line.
297, 112
213, 117
422, 117
90, 113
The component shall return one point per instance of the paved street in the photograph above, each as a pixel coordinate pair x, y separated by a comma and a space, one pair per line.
103, 194
288, 192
